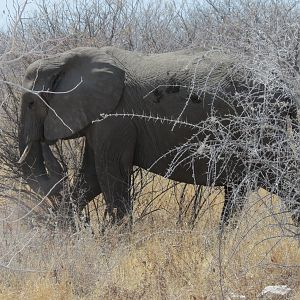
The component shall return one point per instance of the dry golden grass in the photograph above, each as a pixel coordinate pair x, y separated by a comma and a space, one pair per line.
158, 259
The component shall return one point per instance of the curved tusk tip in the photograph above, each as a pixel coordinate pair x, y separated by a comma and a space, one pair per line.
21, 160
24, 154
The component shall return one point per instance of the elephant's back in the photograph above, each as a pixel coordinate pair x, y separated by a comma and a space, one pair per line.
196, 69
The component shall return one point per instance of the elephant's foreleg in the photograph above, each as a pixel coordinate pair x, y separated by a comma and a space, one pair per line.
116, 190
233, 203
87, 185
114, 177
114, 155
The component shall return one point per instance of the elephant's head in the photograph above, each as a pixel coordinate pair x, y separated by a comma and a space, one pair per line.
62, 95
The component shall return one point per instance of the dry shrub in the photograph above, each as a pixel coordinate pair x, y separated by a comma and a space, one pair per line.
157, 260
175, 248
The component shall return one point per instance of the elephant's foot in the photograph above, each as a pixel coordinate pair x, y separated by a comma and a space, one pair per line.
116, 217
231, 213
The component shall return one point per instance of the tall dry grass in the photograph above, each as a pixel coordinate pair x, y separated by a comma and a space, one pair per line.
157, 259
174, 250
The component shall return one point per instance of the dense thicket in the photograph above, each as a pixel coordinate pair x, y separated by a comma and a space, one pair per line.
263, 35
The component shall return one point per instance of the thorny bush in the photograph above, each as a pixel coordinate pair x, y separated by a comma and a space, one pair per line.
264, 37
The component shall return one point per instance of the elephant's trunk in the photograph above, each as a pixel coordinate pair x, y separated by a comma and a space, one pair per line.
40, 168
36, 159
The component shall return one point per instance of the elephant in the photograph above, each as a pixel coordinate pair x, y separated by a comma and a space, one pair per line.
133, 110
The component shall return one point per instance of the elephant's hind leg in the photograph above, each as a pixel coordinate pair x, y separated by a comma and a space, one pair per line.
233, 204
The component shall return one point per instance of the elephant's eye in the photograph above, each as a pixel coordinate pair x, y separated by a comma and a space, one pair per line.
30, 104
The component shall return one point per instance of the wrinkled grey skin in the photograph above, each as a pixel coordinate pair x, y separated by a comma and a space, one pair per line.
88, 82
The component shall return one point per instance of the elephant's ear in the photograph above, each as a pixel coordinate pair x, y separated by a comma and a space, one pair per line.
86, 86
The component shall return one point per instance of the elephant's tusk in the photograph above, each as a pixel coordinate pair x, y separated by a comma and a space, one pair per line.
25, 153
